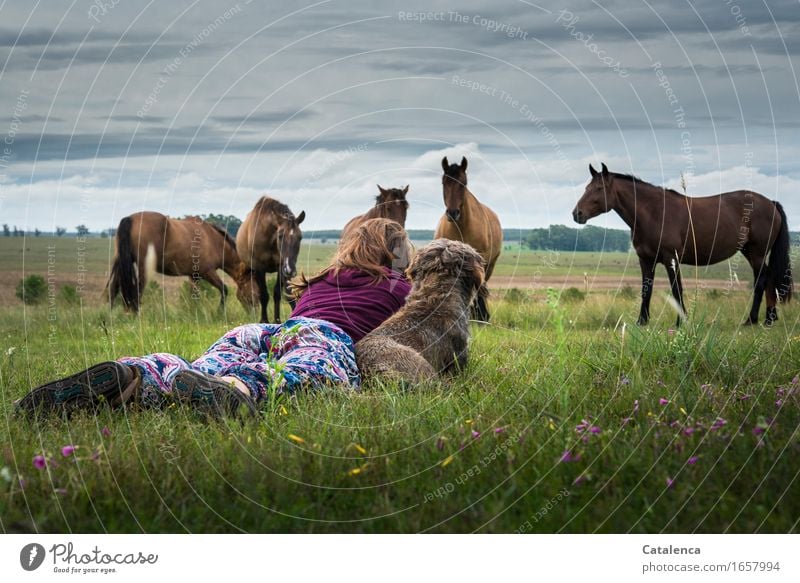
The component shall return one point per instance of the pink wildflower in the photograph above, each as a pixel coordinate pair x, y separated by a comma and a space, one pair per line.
67, 450
662, 401
39, 462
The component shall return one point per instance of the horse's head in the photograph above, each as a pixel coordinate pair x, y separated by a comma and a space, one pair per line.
454, 185
289, 235
598, 198
393, 203
247, 287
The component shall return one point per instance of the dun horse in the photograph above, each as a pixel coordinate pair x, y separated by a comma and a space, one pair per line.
269, 242
389, 204
670, 228
187, 246
467, 220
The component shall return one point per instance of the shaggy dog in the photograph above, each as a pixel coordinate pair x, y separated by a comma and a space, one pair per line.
429, 335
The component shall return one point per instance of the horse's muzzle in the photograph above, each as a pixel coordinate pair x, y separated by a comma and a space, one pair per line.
452, 215
578, 217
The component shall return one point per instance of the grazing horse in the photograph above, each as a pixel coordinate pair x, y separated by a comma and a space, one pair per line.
467, 220
269, 242
389, 204
188, 246
670, 228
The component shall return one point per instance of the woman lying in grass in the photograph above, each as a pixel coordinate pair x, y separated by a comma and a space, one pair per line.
361, 287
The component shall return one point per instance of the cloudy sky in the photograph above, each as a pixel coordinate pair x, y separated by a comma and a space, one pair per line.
115, 106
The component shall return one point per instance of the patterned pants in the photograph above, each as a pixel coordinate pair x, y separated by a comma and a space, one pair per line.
267, 358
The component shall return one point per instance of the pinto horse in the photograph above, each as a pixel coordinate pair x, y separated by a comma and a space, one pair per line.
188, 246
670, 228
389, 204
269, 242
467, 220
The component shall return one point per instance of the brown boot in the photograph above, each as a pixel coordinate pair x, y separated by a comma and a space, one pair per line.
109, 382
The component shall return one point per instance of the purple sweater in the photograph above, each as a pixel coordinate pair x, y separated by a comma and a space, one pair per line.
350, 300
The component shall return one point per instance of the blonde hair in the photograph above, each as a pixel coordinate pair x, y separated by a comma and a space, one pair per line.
371, 247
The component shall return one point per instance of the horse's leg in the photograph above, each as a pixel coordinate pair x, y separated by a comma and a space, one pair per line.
263, 294
215, 280
759, 283
480, 310
676, 285
277, 292
648, 266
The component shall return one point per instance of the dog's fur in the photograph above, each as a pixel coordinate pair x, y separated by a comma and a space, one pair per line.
429, 335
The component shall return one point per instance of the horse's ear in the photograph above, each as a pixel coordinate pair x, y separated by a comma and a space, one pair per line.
605, 170
463, 163
405, 190
301, 217
381, 189
445, 164
592, 171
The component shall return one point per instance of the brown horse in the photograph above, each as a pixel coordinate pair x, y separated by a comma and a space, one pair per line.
188, 246
670, 228
467, 220
269, 242
389, 204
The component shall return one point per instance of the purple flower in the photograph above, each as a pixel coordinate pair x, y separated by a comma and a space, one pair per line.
67, 450
719, 422
757, 430
475, 434
594, 429
692, 460
568, 457
60, 491
687, 431
22, 483
662, 401
39, 462
440, 443
582, 426
500, 430
779, 403
106, 432
579, 480
627, 420
624, 380
671, 331
670, 482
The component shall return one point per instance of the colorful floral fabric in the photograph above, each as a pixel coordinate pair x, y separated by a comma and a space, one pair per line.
267, 358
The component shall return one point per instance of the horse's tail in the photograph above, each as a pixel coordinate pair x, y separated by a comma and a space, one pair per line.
779, 278
123, 272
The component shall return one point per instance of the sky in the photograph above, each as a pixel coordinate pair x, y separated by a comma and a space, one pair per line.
108, 107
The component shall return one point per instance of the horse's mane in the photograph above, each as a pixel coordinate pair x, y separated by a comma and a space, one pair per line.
225, 234
270, 205
634, 179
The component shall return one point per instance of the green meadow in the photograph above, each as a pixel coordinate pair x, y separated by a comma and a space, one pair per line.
568, 418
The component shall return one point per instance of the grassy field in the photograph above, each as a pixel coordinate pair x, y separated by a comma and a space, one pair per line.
569, 418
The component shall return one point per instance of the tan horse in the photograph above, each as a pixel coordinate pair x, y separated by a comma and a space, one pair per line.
389, 204
189, 246
269, 242
466, 219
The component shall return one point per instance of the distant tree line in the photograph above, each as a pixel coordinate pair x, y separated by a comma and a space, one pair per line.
589, 238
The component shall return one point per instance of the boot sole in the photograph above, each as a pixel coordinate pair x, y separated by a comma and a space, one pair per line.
83, 390
211, 397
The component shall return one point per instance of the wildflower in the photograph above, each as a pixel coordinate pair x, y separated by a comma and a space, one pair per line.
663, 402
5, 473
446, 461
67, 450
22, 483
758, 430
719, 422
671, 331
440, 443
594, 429
582, 426
39, 462
624, 380
779, 403
354, 472
296, 438
60, 491
579, 480
284, 411
10, 350
106, 432
626, 420
359, 449
687, 431
670, 482
682, 410
498, 430
468, 422
475, 434
692, 460
636, 406
568, 457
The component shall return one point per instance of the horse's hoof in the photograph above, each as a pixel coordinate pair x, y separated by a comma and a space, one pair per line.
641, 322
749, 322
769, 323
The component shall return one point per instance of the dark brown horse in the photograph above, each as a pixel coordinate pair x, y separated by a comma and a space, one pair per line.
389, 204
670, 228
467, 220
269, 242
188, 246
